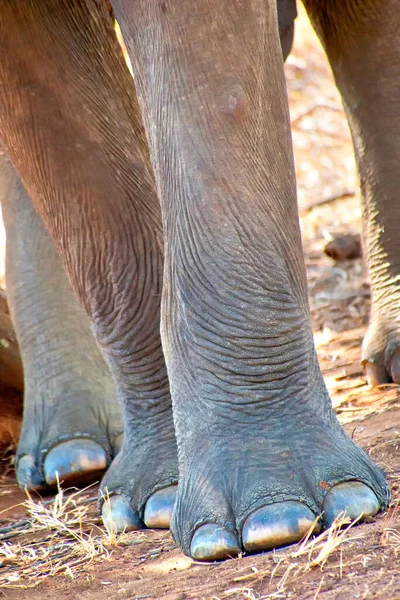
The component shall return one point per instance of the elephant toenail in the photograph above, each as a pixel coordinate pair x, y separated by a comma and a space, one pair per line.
118, 443
375, 373
277, 525
27, 474
395, 367
159, 507
351, 498
74, 461
118, 515
214, 542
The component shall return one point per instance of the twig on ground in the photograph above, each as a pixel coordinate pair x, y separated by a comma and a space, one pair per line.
328, 200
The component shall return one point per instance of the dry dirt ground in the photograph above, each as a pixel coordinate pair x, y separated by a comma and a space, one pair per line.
56, 549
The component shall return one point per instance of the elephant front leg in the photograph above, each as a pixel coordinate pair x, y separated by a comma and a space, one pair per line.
362, 42
261, 453
70, 122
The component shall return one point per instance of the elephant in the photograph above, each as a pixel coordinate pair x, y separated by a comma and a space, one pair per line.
169, 211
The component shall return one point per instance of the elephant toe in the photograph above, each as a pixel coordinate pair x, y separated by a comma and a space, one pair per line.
159, 507
74, 461
117, 444
118, 515
214, 542
277, 525
395, 367
352, 499
381, 350
28, 476
375, 373
379, 372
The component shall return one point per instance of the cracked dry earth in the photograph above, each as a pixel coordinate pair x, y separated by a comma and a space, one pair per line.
57, 549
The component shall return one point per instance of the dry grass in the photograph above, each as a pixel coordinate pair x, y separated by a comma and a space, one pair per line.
63, 538
291, 565
323, 560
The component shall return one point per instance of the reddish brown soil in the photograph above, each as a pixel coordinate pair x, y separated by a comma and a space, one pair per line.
366, 564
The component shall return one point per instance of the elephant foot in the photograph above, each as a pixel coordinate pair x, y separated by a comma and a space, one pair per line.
140, 486
268, 486
381, 353
68, 440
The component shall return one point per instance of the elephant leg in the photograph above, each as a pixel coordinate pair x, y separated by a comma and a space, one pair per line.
261, 453
361, 40
72, 425
287, 13
70, 122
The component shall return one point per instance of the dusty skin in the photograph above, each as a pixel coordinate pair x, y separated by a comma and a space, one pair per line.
61, 552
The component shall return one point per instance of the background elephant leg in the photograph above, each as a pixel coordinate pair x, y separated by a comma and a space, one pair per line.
259, 444
287, 13
362, 43
72, 423
70, 122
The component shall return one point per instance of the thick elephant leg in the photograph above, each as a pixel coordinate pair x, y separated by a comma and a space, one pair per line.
72, 425
261, 453
362, 42
69, 120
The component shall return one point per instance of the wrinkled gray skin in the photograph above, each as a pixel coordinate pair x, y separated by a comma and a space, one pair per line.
260, 452
69, 393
